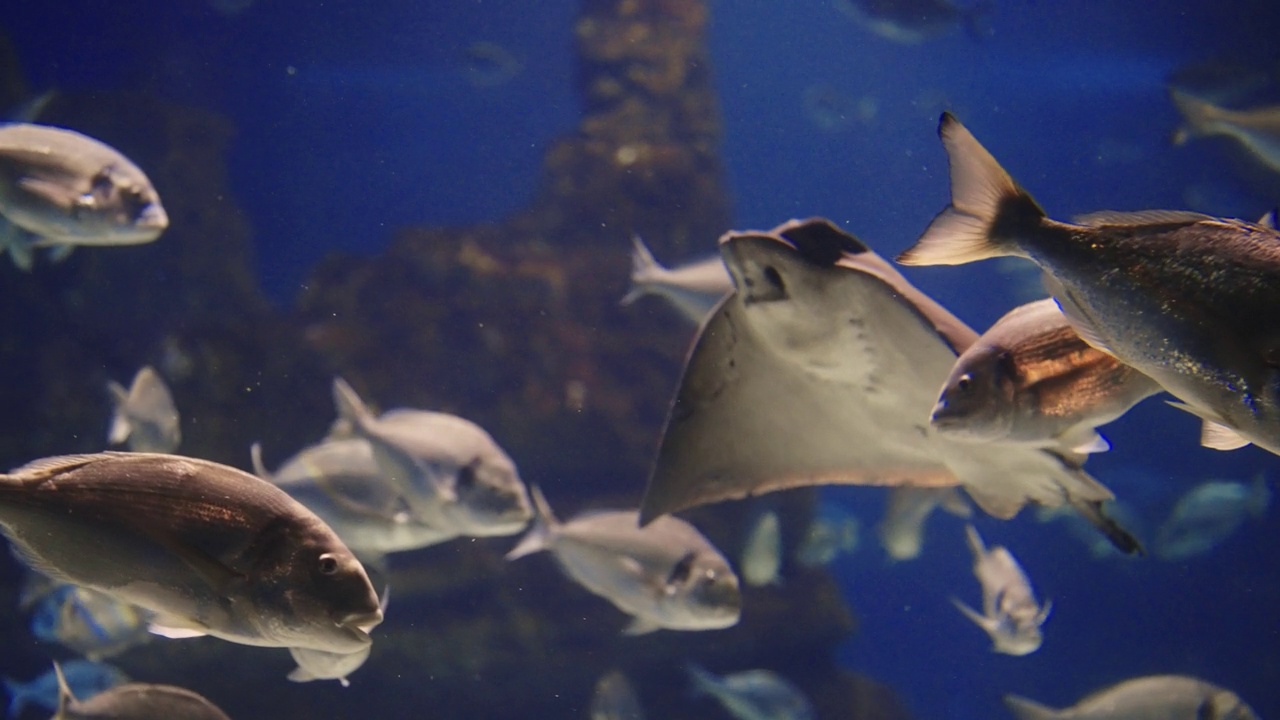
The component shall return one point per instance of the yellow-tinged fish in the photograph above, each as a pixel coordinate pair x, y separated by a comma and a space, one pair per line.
207, 548
1186, 299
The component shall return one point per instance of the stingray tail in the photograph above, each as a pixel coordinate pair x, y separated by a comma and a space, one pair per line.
645, 268
544, 522
988, 210
1025, 709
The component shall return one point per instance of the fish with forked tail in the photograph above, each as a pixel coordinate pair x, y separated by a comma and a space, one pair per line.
1186, 299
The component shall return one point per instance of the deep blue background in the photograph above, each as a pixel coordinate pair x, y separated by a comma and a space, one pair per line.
377, 127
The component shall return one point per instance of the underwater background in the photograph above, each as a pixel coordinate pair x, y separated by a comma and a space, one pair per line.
426, 198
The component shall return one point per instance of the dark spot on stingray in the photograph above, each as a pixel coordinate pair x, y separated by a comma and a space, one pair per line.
820, 242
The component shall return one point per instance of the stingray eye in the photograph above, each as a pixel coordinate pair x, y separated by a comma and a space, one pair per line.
328, 564
965, 383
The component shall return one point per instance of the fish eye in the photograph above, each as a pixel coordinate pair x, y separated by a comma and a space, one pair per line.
328, 564
965, 383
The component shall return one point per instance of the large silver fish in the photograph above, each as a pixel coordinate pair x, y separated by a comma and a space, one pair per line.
1154, 697
68, 189
1186, 299
693, 288
207, 548
665, 575
1030, 378
145, 415
1010, 613
1257, 129
449, 471
821, 368
135, 701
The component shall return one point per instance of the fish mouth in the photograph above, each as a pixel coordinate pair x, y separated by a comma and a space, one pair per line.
362, 622
152, 219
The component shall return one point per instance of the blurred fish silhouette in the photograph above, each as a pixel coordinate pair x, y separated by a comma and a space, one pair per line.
1098, 545
144, 414
64, 189
693, 288
207, 548
821, 368
1010, 613
615, 699
832, 531
86, 677
754, 694
761, 558
665, 575
901, 531
1208, 514
1134, 285
88, 622
1257, 129
1168, 697
915, 21
134, 701
1030, 378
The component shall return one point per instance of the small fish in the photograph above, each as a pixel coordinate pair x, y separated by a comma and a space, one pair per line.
134, 701
1154, 697
914, 21
615, 699
762, 553
144, 414
88, 622
488, 64
207, 548
1030, 378
1208, 514
1258, 129
1134, 285
754, 694
693, 288
1010, 613
67, 189
832, 531
86, 677
901, 532
448, 470
665, 575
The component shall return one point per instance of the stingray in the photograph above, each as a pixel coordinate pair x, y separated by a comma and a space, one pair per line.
822, 367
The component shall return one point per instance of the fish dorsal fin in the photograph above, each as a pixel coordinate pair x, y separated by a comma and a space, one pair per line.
259, 468
50, 466
1220, 437
1268, 220
66, 698
1142, 217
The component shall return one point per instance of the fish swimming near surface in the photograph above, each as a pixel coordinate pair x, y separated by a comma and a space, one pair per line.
1134, 285
134, 701
754, 694
915, 21
832, 531
450, 473
1208, 514
615, 699
665, 575
207, 548
693, 288
901, 531
821, 367
1257, 129
88, 622
761, 558
88, 678
1157, 697
66, 189
1030, 378
145, 415
1010, 613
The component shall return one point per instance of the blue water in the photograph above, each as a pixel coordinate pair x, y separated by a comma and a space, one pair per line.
353, 121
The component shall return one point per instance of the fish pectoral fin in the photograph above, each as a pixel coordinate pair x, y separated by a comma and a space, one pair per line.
300, 675
640, 626
1220, 437
50, 192
59, 251
1044, 612
1087, 443
176, 628
976, 617
220, 578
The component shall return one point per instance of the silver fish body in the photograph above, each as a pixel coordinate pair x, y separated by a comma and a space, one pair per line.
145, 415
615, 699
1154, 697
1010, 613
135, 701
693, 288
207, 548
665, 575
1186, 299
754, 694
1207, 515
69, 189
1030, 378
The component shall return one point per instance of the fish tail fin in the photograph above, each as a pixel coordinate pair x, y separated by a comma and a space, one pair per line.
255, 456
1200, 116
988, 210
644, 268
120, 425
1027, 709
65, 697
15, 240
1259, 496
349, 405
974, 616
544, 522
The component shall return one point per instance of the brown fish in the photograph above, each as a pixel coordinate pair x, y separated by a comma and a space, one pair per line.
820, 368
135, 701
1186, 299
1030, 378
208, 548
